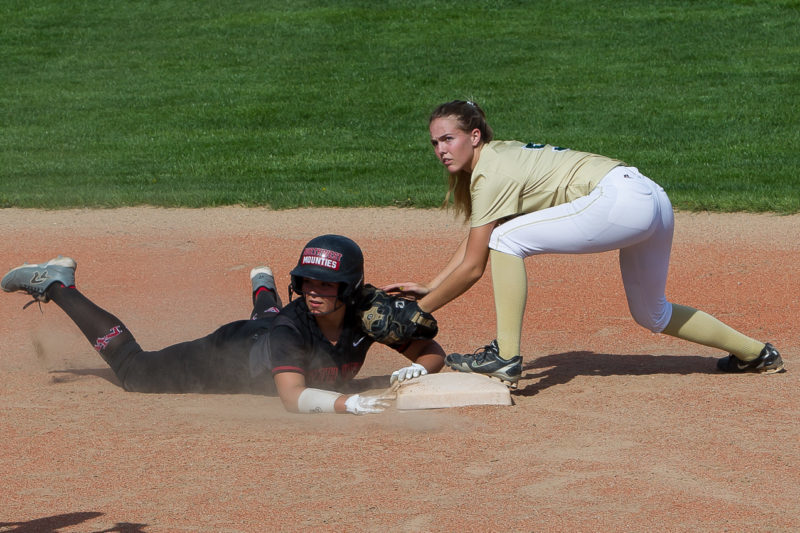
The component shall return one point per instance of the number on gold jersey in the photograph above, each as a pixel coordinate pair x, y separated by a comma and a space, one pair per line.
537, 146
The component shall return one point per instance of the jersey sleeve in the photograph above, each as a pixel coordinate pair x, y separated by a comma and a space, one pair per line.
287, 351
494, 198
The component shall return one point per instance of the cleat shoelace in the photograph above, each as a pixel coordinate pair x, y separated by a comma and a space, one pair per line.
481, 353
34, 301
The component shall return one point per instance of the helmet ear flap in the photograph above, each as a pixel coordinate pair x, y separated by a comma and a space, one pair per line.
296, 285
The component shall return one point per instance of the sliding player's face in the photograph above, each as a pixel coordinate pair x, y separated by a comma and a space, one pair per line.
321, 296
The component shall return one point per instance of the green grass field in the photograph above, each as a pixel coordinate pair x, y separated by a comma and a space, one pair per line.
325, 103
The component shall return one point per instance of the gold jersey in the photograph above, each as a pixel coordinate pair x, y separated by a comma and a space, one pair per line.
512, 178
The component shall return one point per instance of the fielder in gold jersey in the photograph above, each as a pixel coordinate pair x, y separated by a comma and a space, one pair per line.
528, 199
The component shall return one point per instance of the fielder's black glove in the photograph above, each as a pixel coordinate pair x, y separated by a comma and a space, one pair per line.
393, 320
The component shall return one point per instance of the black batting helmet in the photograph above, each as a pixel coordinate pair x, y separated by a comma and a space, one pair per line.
332, 258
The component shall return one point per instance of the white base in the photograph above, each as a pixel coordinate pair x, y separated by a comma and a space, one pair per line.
451, 389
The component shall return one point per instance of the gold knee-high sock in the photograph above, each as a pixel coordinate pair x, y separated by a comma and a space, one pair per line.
510, 283
700, 327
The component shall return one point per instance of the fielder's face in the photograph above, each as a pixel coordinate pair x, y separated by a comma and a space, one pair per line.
454, 147
321, 296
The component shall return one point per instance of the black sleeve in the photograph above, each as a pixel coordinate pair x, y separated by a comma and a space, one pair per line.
288, 351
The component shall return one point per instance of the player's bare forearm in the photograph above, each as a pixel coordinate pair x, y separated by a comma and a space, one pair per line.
290, 385
339, 405
411, 289
427, 353
465, 274
432, 363
451, 288
457, 259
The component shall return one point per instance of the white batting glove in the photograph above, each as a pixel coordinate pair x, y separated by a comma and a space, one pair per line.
408, 372
363, 405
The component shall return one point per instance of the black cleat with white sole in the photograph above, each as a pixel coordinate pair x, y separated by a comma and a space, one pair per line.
768, 362
487, 361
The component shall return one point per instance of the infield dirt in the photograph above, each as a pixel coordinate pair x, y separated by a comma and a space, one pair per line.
613, 428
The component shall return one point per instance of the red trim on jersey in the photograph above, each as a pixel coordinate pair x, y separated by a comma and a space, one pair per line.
279, 369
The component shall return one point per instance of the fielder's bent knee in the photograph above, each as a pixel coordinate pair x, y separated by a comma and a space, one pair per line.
498, 243
656, 323
655, 320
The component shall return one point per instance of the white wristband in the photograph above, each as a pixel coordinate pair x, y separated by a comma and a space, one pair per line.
317, 401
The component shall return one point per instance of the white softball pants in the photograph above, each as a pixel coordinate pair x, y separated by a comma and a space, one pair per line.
626, 211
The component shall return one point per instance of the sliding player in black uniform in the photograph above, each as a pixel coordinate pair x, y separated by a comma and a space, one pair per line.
303, 352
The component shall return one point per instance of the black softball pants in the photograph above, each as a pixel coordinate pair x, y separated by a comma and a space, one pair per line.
216, 363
